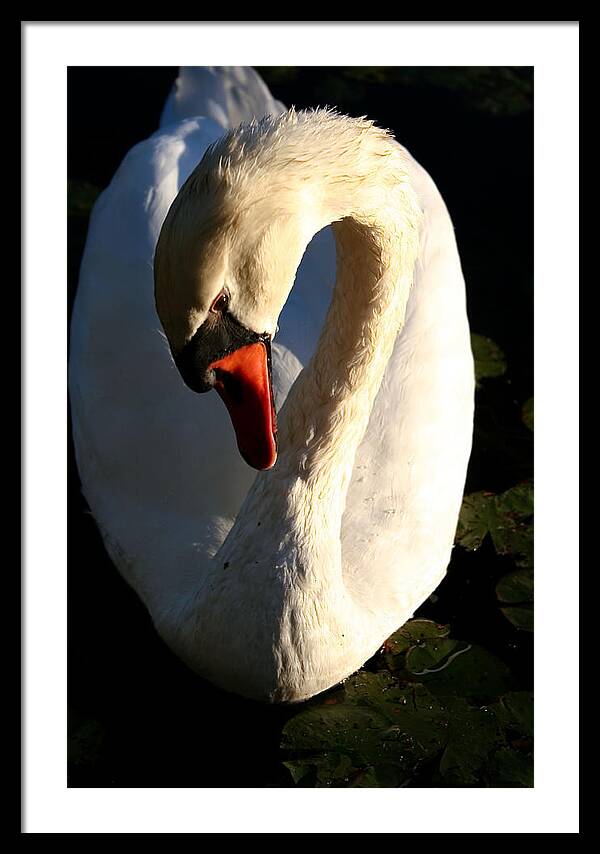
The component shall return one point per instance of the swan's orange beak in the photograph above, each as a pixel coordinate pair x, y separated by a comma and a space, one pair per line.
243, 379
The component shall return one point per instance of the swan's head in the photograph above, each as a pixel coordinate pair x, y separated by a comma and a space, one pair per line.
224, 265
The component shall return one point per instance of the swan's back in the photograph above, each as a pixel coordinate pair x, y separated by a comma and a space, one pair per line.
228, 95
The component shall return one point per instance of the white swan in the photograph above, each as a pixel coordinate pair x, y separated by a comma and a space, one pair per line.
277, 585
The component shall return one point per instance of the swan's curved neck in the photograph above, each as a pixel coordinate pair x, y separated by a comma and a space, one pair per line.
376, 220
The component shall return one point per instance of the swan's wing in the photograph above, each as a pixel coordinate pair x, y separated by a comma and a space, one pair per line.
228, 95
158, 463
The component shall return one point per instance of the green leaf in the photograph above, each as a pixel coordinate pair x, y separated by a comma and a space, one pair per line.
378, 776
81, 196
516, 587
300, 769
510, 769
367, 736
429, 656
521, 618
527, 413
383, 732
505, 517
517, 500
386, 727
412, 633
477, 515
515, 712
475, 674
419, 720
474, 734
342, 728
489, 358
447, 667
324, 770
379, 691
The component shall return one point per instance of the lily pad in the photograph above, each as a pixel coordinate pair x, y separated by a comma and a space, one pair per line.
489, 358
474, 674
448, 668
81, 196
474, 734
527, 413
430, 656
516, 587
382, 733
521, 618
477, 517
388, 725
512, 765
413, 633
346, 729
380, 776
517, 500
505, 517
511, 769
516, 590
419, 719
515, 712
326, 769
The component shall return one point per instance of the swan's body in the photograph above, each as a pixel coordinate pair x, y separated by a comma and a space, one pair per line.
276, 585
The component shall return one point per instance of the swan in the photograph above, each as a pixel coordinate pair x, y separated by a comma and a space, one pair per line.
304, 266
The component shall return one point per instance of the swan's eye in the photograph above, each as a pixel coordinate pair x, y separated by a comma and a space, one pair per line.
220, 303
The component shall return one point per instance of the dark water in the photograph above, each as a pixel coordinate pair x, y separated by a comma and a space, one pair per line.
139, 717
